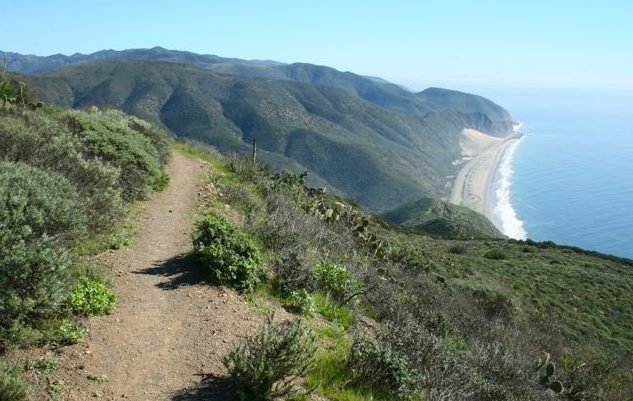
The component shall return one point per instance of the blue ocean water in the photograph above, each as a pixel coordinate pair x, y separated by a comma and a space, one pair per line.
571, 177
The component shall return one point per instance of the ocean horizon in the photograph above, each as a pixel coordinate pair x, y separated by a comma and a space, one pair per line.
568, 180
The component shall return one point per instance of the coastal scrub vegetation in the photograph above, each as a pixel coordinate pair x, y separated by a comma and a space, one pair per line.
12, 387
407, 316
66, 178
267, 365
232, 257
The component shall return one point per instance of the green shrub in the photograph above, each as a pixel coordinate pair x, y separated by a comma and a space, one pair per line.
161, 182
495, 254
118, 240
457, 249
98, 378
56, 386
33, 278
376, 366
12, 386
37, 203
121, 236
241, 196
268, 364
301, 302
40, 213
411, 258
294, 272
44, 363
91, 297
65, 331
43, 142
495, 304
107, 136
232, 256
335, 280
159, 138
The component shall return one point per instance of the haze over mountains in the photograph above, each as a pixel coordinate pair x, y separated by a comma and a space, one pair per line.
360, 136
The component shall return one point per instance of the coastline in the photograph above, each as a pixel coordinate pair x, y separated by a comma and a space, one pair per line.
474, 185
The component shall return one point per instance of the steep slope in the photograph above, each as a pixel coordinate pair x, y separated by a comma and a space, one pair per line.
441, 219
494, 119
360, 150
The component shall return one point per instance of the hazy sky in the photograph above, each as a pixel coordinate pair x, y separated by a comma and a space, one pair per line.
474, 43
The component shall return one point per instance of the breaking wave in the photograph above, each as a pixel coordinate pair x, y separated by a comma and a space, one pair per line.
505, 216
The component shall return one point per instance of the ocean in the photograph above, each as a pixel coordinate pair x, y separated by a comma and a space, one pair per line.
570, 179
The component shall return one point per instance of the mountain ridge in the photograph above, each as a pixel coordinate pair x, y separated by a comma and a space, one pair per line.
377, 91
363, 138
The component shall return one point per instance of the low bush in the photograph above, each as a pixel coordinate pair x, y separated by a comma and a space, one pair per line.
375, 365
65, 331
241, 196
294, 272
91, 297
38, 203
244, 168
108, 136
335, 281
12, 386
287, 228
267, 365
33, 278
495, 254
43, 363
118, 241
332, 377
120, 237
233, 257
40, 214
158, 138
411, 258
161, 182
457, 249
41, 141
495, 304
301, 302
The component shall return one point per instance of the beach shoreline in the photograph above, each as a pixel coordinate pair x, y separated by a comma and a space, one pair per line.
474, 185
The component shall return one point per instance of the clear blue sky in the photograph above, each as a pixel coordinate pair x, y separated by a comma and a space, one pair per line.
463, 43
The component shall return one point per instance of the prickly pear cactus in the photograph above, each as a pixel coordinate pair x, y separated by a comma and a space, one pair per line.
547, 379
556, 387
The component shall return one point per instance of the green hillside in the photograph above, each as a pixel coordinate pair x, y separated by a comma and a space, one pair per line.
379, 157
467, 318
441, 219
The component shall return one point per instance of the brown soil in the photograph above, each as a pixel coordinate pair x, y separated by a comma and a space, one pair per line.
170, 329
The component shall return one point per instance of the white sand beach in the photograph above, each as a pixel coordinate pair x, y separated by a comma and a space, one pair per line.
473, 185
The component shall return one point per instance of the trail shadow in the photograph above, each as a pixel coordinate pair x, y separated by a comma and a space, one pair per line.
182, 270
216, 388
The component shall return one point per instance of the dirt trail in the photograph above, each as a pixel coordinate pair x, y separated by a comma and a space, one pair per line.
170, 329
